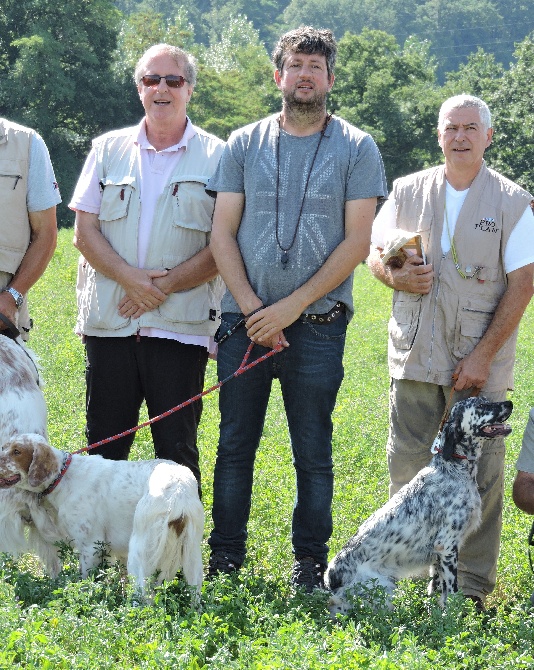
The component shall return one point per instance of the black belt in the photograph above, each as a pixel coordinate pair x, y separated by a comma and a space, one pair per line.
337, 310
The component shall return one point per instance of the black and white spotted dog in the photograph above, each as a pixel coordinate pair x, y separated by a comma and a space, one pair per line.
424, 524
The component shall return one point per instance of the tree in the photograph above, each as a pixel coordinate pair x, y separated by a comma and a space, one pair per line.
480, 76
235, 86
392, 94
58, 78
513, 113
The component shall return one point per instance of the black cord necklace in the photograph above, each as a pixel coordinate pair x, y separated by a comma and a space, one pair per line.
284, 258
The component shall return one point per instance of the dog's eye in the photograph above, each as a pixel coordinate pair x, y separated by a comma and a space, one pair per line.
16, 452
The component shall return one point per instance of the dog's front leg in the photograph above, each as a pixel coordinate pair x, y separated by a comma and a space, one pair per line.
446, 573
434, 585
88, 559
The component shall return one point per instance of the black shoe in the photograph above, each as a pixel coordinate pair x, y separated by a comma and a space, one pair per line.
308, 574
220, 564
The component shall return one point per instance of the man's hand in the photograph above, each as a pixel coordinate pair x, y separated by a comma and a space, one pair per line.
7, 308
413, 276
266, 326
472, 372
142, 295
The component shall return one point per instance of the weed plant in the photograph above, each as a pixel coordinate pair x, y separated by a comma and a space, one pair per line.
254, 620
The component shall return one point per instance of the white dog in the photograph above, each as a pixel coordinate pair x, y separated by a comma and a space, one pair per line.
25, 526
425, 523
147, 512
22, 405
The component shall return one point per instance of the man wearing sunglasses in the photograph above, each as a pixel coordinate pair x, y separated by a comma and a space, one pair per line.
148, 290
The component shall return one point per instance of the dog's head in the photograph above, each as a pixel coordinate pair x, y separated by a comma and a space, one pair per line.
27, 461
470, 421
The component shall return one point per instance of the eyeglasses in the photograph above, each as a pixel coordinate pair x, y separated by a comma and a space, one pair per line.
172, 80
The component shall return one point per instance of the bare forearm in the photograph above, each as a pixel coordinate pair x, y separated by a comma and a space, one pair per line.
95, 248
230, 264
339, 265
195, 271
380, 271
523, 492
42, 245
506, 318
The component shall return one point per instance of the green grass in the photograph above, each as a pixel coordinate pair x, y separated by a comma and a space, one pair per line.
254, 620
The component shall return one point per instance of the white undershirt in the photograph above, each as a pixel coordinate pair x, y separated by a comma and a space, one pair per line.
519, 250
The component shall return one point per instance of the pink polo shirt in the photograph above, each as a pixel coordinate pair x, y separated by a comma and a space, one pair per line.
155, 170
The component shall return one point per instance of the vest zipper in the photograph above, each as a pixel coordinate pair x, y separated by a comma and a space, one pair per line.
16, 177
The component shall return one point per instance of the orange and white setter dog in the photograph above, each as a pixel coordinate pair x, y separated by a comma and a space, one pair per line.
148, 513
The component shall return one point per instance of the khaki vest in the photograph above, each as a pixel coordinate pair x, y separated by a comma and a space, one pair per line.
15, 142
181, 228
429, 334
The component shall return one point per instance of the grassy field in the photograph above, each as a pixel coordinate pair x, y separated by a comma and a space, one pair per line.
254, 620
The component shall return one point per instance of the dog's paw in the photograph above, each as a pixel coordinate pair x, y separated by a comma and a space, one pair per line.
338, 605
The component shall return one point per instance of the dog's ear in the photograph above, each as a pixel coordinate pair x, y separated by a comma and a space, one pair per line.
450, 438
43, 465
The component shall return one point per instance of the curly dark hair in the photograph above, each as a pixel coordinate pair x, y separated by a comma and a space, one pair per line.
306, 40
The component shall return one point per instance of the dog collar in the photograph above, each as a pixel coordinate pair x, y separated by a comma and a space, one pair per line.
458, 456
434, 449
65, 466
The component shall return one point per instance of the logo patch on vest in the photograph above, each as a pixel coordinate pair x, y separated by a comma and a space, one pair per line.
487, 225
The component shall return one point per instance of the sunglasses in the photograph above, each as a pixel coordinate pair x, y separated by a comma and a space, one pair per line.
172, 80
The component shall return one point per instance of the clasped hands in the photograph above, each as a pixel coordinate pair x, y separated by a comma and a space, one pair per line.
145, 290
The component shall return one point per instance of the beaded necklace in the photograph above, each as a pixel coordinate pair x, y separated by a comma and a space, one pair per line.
284, 257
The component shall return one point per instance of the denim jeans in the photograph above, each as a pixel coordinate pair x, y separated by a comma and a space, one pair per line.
310, 373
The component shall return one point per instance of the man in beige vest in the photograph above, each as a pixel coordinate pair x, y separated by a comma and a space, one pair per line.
457, 302
28, 230
148, 288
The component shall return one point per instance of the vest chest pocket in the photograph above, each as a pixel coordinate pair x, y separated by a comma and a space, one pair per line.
404, 322
115, 200
192, 206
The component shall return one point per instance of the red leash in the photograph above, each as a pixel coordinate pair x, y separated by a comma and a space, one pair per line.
242, 368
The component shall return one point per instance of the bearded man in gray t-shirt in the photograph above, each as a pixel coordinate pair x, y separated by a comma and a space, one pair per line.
296, 197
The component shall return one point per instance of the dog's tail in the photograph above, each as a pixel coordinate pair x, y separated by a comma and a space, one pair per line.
167, 530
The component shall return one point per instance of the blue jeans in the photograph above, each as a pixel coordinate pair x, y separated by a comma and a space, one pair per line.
310, 372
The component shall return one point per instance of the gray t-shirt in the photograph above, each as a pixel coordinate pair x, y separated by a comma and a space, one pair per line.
43, 191
525, 462
348, 166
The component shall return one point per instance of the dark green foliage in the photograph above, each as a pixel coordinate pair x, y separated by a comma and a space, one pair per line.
513, 106
67, 69
58, 61
390, 92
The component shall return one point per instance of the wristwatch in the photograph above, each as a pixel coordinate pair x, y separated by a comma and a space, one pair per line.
17, 297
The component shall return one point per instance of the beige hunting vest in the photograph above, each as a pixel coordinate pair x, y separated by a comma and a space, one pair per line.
181, 228
15, 142
429, 334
